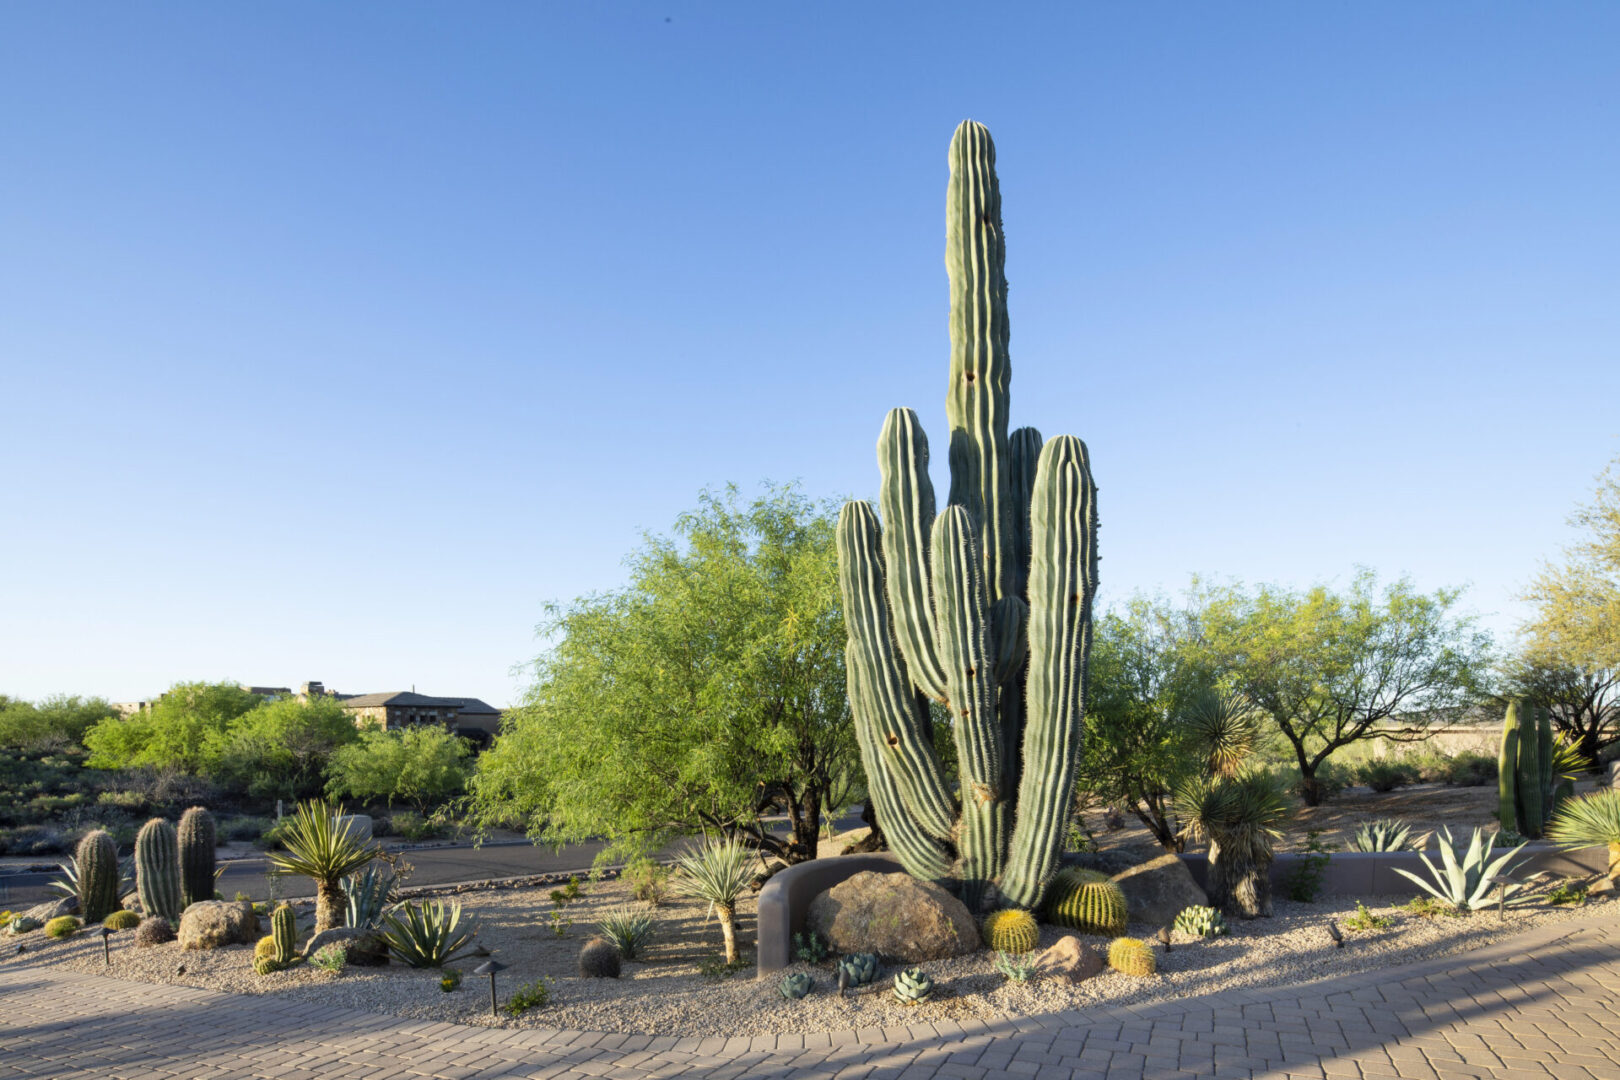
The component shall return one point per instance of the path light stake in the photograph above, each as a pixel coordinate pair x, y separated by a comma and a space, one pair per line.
1333, 932
490, 967
1503, 883
106, 945
1164, 937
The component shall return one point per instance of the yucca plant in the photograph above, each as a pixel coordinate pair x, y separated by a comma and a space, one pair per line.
1226, 726
369, 892
1466, 883
717, 873
1587, 821
1385, 834
1240, 817
429, 935
319, 849
627, 928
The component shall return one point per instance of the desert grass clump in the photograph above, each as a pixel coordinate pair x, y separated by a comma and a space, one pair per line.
62, 927
627, 928
121, 920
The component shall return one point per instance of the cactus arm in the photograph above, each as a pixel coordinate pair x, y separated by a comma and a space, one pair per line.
900, 742
923, 856
963, 624
1507, 765
906, 498
1062, 582
1546, 779
1528, 780
977, 401
1023, 454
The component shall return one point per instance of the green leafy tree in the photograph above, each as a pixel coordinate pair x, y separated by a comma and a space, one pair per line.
423, 766
1331, 669
280, 749
706, 692
173, 732
54, 723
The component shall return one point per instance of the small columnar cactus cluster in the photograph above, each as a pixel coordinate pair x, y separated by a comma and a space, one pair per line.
1132, 956
1200, 921
1011, 930
279, 949
794, 987
913, 985
1087, 901
859, 969
97, 861
197, 841
157, 870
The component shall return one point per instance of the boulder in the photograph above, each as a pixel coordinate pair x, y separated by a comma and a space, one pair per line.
213, 924
1156, 883
364, 948
51, 909
1070, 960
895, 916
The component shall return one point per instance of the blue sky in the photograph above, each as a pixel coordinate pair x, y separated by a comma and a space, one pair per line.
335, 339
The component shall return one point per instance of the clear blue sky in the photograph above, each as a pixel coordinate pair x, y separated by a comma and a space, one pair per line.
335, 339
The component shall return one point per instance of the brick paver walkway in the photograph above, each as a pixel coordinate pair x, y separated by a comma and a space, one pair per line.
1545, 1004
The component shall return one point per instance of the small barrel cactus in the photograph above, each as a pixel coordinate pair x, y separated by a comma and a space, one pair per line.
913, 985
1131, 956
157, 869
121, 920
1087, 901
196, 837
264, 956
794, 987
1011, 930
97, 860
1204, 922
599, 959
861, 967
284, 932
63, 926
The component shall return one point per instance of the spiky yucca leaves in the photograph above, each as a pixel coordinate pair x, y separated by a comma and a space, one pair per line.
628, 929
1470, 882
1227, 726
1588, 821
96, 862
1240, 816
1385, 834
794, 987
1011, 930
1200, 921
717, 873
196, 837
913, 985
325, 852
1132, 956
1087, 901
427, 936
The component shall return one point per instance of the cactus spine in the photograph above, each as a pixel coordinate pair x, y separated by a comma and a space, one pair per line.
1011, 930
197, 855
97, 860
981, 608
284, 932
1088, 901
157, 870
1132, 956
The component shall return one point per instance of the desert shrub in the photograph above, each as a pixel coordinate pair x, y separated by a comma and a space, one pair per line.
628, 929
1386, 775
34, 840
412, 826
121, 920
1470, 769
422, 766
529, 996
63, 926
242, 829
1331, 779
330, 958
131, 802
648, 881
154, 930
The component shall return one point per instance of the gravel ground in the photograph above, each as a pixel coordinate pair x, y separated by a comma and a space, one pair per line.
668, 995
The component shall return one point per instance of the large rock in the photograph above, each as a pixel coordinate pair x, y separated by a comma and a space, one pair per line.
51, 909
362, 948
895, 916
1070, 960
213, 924
1156, 884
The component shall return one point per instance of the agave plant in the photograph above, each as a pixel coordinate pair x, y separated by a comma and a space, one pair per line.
1385, 834
369, 892
320, 849
627, 928
1239, 816
1587, 821
1466, 883
427, 936
717, 873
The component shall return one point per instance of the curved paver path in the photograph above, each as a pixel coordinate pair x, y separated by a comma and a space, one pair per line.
1544, 1004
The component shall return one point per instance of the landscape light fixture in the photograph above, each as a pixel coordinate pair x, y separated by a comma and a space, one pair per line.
490, 967
1164, 937
106, 944
1503, 883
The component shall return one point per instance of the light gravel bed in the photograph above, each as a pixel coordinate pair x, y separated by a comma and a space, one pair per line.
667, 994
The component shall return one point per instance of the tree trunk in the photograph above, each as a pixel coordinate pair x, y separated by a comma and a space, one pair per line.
874, 839
1238, 885
1589, 750
805, 814
331, 904
728, 930
1310, 789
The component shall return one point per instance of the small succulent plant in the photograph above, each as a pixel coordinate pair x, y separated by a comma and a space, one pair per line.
22, 924
451, 980
794, 987
913, 985
1200, 921
861, 967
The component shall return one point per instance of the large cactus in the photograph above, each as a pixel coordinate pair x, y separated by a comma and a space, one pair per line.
97, 860
982, 608
197, 842
1534, 770
157, 870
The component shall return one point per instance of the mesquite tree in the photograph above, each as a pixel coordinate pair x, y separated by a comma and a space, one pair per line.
985, 608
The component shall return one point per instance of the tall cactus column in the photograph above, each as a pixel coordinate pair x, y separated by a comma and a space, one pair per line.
157, 870
984, 608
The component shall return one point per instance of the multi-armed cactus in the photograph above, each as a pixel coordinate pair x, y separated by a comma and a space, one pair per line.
1535, 770
157, 870
97, 860
197, 855
985, 609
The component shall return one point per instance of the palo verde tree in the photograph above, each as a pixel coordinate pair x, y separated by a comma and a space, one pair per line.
984, 608
1331, 669
701, 696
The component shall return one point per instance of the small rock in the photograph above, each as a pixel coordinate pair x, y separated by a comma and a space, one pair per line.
895, 916
1603, 886
212, 924
1069, 959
